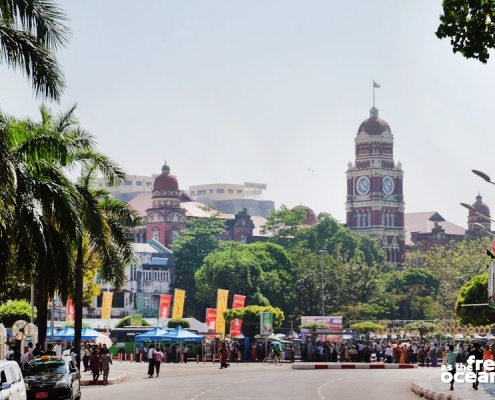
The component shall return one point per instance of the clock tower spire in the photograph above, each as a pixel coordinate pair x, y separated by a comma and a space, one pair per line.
375, 200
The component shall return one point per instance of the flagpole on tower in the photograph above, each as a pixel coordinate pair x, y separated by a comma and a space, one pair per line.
375, 85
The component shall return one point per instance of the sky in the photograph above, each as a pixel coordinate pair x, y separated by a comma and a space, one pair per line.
266, 91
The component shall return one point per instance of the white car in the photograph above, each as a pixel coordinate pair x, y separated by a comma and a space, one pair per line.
11, 381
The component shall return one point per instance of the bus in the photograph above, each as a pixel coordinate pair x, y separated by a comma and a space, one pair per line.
124, 338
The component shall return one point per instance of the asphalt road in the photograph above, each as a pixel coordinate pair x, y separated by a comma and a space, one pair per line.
255, 381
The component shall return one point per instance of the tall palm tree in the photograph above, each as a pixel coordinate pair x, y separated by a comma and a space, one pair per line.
30, 32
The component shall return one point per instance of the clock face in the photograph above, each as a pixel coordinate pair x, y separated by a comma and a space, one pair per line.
388, 185
363, 185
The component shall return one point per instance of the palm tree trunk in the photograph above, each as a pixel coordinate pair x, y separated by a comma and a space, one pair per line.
42, 314
78, 302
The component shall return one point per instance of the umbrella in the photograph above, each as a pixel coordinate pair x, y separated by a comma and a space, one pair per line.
154, 335
90, 334
180, 334
104, 340
67, 333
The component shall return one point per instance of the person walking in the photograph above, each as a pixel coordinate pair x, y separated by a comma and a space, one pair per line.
450, 360
487, 354
151, 360
87, 355
158, 361
224, 355
478, 355
94, 365
106, 360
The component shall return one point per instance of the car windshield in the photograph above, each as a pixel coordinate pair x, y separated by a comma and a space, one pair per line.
53, 366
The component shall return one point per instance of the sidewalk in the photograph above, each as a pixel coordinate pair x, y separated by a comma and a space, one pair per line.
114, 377
435, 389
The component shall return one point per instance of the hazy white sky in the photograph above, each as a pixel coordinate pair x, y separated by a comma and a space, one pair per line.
260, 91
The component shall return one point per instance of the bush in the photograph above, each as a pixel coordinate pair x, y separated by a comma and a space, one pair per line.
126, 321
175, 322
15, 310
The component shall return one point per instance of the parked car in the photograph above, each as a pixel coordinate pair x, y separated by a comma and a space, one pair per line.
11, 381
51, 377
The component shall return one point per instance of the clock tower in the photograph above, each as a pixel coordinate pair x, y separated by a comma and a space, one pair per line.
375, 201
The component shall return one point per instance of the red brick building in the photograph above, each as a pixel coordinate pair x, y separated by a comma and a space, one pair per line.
375, 200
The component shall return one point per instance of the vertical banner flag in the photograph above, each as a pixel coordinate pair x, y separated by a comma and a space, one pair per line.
211, 321
236, 325
70, 311
106, 307
266, 323
179, 298
222, 297
165, 301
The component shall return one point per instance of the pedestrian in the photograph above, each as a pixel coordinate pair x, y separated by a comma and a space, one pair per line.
151, 360
49, 350
25, 358
487, 355
37, 352
450, 360
434, 355
158, 361
184, 351
224, 355
106, 360
478, 355
58, 349
201, 354
86, 356
94, 365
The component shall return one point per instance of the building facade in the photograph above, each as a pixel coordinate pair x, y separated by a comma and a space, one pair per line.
375, 200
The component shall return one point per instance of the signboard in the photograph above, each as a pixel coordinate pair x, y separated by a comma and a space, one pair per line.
179, 298
252, 185
222, 297
333, 323
165, 301
211, 321
236, 325
266, 323
136, 320
70, 312
106, 307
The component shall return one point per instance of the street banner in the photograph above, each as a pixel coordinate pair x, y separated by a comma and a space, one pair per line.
136, 320
491, 285
106, 307
236, 325
211, 321
266, 323
222, 297
179, 298
165, 302
70, 312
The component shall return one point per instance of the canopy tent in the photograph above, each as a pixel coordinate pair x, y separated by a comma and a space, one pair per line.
49, 332
67, 333
90, 334
180, 334
154, 335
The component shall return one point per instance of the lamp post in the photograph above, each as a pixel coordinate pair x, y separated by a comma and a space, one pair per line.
322, 253
484, 176
471, 208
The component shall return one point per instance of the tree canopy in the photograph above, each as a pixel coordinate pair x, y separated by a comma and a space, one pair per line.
13, 311
423, 327
250, 316
367, 327
475, 291
175, 322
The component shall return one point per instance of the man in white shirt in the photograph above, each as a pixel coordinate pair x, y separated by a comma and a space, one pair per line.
389, 353
151, 360
25, 358
58, 349
10, 354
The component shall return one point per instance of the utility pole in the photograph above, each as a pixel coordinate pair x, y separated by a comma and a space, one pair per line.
322, 253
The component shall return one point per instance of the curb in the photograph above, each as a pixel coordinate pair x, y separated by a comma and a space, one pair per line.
353, 366
111, 381
432, 395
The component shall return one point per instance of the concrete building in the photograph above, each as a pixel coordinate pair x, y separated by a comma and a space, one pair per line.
375, 200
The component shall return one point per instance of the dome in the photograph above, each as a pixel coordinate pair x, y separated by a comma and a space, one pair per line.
374, 125
310, 215
165, 181
480, 207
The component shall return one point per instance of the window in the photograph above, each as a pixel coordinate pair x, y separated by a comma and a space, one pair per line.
118, 300
146, 275
192, 192
231, 191
128, 183
200, 192
244, 239
139, 183
148, 184
220, 190
211, 191
239, 191
156, 234
175, 236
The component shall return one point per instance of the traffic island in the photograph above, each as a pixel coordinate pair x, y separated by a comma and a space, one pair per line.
112, 380
352, 366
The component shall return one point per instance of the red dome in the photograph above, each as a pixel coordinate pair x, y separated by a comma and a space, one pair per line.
480, 207
310, 215
374, 125
165, 181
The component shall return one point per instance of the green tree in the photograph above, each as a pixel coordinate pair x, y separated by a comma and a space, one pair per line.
175, 322
469, 25
250, 316
13, 311
284, 225
423, 327
196, 242
30, 32
126, 321
367, 327
475, 291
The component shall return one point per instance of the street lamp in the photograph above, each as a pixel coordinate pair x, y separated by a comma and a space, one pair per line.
322, 253
471, 208
484, 228
483, 176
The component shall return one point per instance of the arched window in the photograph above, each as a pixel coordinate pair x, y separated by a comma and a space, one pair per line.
156, 234
358, 220
175, 236
392, 221
383, 219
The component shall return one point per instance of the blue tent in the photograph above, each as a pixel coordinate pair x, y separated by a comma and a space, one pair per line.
180, 334
90, 334
154, 335
67, 333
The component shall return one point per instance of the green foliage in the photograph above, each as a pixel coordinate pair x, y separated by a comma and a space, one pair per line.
250, 315
313, 327
71, 324
470, 26
175, 322
423, 327
475, 292
13, 311
126, 321
367, 327
284, 225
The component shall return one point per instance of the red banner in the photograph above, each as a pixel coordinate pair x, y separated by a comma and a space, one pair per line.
70, 312
236, 325
165, 301
211, 321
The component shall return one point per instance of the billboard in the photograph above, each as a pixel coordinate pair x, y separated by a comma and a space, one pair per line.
334, 324
266, 323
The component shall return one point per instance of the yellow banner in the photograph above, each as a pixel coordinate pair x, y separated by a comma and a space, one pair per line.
179, 298
106, 306
222, 297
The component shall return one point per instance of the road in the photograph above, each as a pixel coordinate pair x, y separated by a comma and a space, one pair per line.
254, 381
